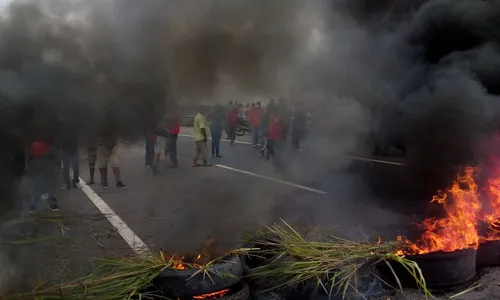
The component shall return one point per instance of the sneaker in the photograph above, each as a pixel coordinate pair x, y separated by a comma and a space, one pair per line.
149, 168
90, 182
120, 185
74, 185
104, 185
54, 207
255, 146
218, 155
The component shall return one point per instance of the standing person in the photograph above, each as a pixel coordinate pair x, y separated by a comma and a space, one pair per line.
200, 139
173, 127
285, 115
108, 155
299, 127
255, 117
265, 128
43, 173
160, 143
69, 151
229, 107
92, 158
150, 149
218, 120
276, 135
232, 122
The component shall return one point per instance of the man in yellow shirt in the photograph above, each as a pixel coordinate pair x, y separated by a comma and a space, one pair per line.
200, 138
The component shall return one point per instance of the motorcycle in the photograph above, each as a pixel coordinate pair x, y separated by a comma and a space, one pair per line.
242, 127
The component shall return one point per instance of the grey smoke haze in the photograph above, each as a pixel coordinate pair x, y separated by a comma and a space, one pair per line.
422, 72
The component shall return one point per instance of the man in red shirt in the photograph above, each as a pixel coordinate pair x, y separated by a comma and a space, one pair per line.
43, 173
255, 119
173, 125
232, 122
276, 135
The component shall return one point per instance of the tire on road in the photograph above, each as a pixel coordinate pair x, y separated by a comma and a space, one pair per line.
184, 283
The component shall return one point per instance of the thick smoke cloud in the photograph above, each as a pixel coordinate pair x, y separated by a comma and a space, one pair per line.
422, 73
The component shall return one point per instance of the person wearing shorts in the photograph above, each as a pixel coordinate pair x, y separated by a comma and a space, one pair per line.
200, 139
108, 156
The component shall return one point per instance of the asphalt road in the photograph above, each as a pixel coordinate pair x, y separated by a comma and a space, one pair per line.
178, 210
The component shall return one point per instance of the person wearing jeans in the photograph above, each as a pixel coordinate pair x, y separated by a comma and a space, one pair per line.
69, 155
218, 120
71, 158
173, 125
255, 118
232, 121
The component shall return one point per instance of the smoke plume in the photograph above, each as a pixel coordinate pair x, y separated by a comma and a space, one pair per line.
420, 73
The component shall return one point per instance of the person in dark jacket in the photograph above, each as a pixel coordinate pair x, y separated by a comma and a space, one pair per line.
218, 120
43, 173
298, 127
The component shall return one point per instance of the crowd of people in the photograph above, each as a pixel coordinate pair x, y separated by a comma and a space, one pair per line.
270, 128
48, 156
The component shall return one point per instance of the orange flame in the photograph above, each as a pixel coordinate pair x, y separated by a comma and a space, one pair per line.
458, 230
492, 218
218, 294
179, 265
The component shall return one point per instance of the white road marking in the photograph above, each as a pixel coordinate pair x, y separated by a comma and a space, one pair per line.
375, 160
345, 156
132, 239
303, 187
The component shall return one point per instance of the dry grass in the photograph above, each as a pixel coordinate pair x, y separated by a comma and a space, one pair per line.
333, 264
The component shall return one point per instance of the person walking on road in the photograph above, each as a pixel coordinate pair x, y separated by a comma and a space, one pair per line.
218, 119
200, 139
265, 128
255, 118
43, 173
173, 126
232, 122
108, 155
276, 138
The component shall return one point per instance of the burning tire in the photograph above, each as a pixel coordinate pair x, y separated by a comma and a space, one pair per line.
263, 256
488, 254
240, 291
441, 270
223, 274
